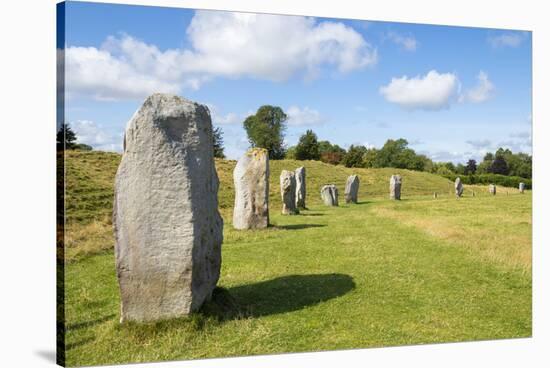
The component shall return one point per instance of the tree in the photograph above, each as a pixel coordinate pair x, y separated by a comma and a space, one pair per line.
265, 129
396, 153
217, 136
66, 138
460, 169
369, 157
290, 153
499, 166
308, 147
331, 153
354, 156
471, 167
83, 147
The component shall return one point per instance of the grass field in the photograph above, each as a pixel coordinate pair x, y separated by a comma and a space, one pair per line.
379, 273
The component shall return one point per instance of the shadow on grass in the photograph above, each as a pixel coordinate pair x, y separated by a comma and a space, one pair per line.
311, 214
79, 325
298, 226
279, 295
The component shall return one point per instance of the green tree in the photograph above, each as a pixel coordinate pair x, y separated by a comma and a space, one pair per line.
66, 138
217, 136
266, 128
369, 157
308, 147
471, 167
396, 153
290, 153
83, 147
331, 153
499, 166
354, 156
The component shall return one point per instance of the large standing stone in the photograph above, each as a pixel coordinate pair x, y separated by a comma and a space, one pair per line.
492, 189
521, 187
352, 189
300, 174
459, 188
288, 192
168, 231
251, 179
329, 194
395, 187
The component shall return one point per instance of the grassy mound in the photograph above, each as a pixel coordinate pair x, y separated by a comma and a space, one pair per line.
379, 273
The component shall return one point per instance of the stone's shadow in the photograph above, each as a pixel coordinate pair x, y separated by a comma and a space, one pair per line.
76, 326
78, 343
279, 295
362, 202
47, 355
311, 214
298, 226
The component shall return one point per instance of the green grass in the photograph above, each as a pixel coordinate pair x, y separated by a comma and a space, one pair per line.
379, 273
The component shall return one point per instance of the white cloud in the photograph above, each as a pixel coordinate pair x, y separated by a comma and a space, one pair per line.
408, 43
96, 135
303, 116
224, 119
226, 44
434, 91
482, 92
479, 143
508, 39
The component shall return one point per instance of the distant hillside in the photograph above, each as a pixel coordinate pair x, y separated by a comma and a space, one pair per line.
90, 177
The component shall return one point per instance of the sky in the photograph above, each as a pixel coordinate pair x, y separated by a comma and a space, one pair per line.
454, 93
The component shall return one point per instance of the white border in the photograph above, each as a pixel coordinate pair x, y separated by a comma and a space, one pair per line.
27, 180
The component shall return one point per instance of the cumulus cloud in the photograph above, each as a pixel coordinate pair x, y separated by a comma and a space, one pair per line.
446, 156
507, 39
97, 136
408, 43
480, 144
226, 44
434, 91
480, 93
303, 116
223, 119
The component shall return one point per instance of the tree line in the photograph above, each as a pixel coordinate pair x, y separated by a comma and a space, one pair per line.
266, 129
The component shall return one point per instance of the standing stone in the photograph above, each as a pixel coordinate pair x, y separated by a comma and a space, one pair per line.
493, 189
395, 187
521, 187
459, 188
300, 174
168, 231
329, 194
288, 192
352, 189
251, 179
435, 195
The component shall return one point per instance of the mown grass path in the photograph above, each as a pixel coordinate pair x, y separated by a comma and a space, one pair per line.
356, 276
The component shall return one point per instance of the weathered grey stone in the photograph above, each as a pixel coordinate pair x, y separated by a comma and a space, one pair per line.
329, 194
168, 231
288, 192
352, 189
521, 187
251, 179
395, 187
300, 174
492, 189
459, 188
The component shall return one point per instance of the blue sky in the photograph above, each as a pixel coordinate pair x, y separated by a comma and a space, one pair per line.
454, 93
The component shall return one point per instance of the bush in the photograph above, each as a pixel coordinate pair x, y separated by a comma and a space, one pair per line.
502, 180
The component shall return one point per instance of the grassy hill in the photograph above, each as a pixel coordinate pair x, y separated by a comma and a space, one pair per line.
90, 179
379, 273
